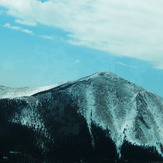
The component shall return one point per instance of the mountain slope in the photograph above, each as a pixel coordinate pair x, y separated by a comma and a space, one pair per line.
100, 117
7, 92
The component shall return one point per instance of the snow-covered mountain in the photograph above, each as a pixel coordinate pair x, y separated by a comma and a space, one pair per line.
7, 92
97, 118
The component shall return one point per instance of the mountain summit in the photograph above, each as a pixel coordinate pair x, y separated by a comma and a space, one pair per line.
97, 118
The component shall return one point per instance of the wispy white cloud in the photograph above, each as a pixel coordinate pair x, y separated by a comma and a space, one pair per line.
124, 28
124, 64
8, 25
46, 37
30, 23
27, 31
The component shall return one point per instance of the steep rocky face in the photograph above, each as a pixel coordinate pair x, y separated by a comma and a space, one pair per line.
98, 118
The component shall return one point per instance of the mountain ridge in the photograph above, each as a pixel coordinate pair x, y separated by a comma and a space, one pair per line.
91, 76
37, 90
100, 116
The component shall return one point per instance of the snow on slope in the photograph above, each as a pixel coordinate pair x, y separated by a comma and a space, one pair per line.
127, 111
6, 92
124, 109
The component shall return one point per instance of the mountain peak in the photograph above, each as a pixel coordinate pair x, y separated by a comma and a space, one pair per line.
99, 116
101, 74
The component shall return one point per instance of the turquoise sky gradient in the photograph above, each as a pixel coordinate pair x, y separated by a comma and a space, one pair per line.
40, 54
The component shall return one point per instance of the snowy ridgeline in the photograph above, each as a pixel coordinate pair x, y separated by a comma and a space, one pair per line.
7, 92
126, 111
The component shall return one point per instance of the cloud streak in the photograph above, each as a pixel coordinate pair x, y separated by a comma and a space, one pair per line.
46, 37
123, 64
124, 28
8, 25
30, 23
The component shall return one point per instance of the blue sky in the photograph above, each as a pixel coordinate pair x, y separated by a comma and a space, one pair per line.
48, 42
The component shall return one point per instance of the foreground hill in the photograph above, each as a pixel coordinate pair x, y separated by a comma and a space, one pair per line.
97, 118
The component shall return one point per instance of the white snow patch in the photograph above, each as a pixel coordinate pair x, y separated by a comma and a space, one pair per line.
89, 111
30, 118
6, 92
123, 128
